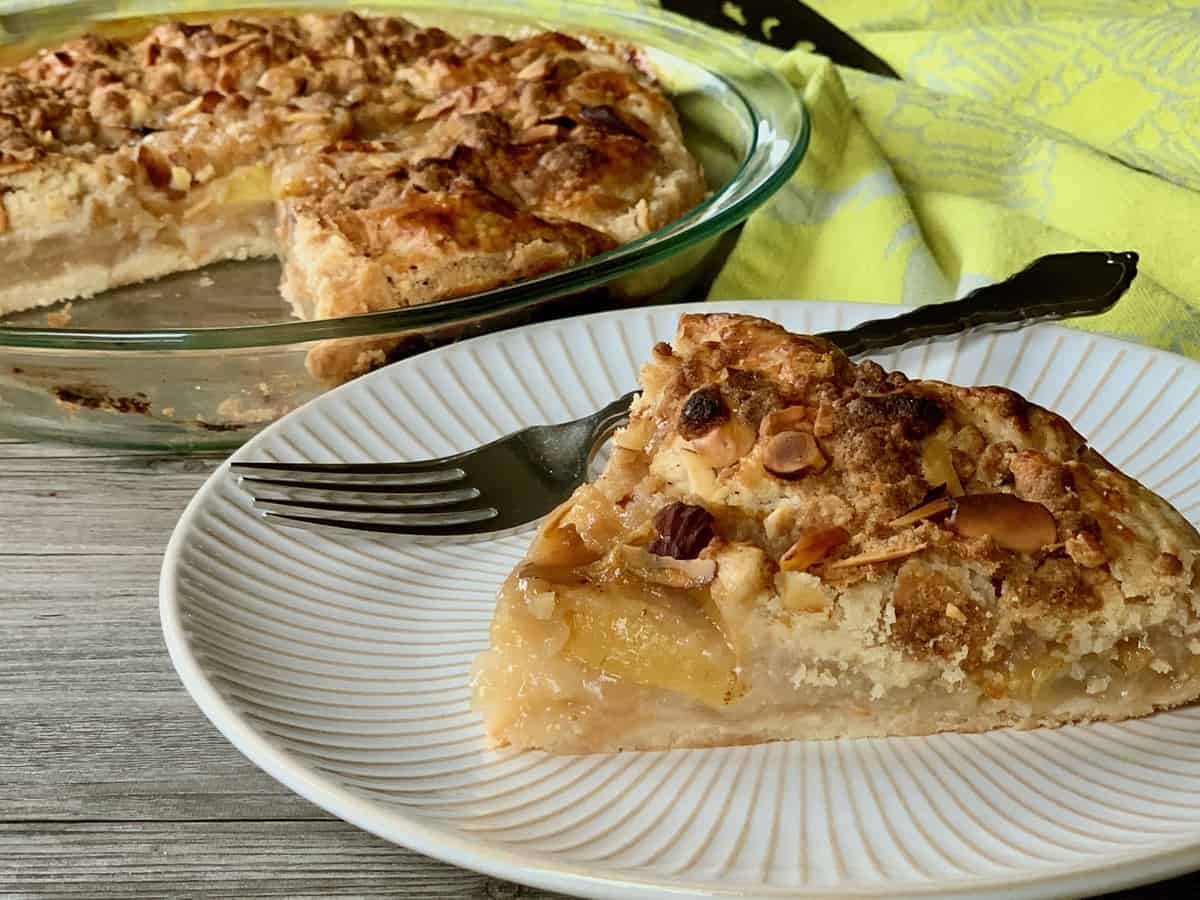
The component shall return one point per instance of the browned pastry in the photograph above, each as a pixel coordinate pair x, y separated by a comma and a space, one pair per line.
788, 545
409, 165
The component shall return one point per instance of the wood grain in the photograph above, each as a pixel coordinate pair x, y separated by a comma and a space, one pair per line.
112, 783
228, 859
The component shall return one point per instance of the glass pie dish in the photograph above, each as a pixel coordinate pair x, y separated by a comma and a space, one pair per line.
204, 359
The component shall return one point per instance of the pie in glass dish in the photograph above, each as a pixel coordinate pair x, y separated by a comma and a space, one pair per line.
386, 164
786, 544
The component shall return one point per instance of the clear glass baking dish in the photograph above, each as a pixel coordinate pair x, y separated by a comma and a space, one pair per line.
204, 359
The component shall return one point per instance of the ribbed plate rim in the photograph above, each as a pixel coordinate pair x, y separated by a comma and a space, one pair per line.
1135, 867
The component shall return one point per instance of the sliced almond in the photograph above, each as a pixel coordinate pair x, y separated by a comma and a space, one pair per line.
1013, 523
537, 69
182, 112
792, 453
811, 547
233, 47
880, 556
925, 511
725, 444
546, 131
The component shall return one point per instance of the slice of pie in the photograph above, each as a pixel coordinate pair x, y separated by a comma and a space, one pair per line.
387, 164
785, 544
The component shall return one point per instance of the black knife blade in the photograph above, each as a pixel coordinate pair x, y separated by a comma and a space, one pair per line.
783, 24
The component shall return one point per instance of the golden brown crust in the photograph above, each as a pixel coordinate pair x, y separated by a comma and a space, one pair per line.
561, 149
935, 557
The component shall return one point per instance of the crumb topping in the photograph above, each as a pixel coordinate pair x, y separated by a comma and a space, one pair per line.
543, 150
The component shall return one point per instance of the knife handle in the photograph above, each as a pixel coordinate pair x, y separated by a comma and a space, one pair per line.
1057, 286
783, 25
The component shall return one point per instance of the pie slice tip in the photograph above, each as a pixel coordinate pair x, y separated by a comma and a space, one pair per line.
786, 544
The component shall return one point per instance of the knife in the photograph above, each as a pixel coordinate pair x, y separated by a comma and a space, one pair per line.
1057, 286
783, 24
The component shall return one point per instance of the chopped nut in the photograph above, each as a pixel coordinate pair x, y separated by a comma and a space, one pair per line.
683, 530
181, 178
1013, 523
811, 547
792, 453
953, 612
866, 559
666, 570
725, 444
787, 419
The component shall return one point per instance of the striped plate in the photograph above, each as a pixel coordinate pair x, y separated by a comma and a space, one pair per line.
339, 665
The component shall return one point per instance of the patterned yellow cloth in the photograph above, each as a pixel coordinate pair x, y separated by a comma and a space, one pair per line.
1019, 129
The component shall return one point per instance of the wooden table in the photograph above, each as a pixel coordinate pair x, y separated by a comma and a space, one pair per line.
112, 783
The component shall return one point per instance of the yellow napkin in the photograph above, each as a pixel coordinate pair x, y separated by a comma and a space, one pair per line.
1019, 129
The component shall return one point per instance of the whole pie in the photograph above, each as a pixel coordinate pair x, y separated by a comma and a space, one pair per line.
785, 544
386, 164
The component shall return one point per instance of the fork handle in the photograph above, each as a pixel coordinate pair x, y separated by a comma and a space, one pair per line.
1051, 287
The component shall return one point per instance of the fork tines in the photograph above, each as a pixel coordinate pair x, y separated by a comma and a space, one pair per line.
430, 497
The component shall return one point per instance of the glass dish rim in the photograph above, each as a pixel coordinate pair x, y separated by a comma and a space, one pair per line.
671, 238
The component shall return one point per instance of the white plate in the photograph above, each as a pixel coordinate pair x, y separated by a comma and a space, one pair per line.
339, 665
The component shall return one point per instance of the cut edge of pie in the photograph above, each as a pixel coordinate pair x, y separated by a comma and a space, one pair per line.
785, 544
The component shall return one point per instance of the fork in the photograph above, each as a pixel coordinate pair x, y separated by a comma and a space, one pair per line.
519, 478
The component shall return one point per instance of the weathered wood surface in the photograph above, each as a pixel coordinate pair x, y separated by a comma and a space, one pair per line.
112, 783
